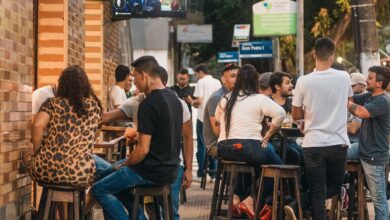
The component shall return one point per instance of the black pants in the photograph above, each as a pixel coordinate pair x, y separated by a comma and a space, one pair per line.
325, 168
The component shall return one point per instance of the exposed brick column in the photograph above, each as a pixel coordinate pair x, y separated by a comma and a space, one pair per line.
60, 37
76, 33
52, 40
94, 44
111, 54
16, 70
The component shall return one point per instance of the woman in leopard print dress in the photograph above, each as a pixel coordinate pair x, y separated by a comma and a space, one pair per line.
64, 131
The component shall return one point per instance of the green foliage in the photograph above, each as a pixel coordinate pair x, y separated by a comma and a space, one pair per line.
323, 23
320, 17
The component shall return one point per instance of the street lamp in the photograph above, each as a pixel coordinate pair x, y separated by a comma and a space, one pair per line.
339, 59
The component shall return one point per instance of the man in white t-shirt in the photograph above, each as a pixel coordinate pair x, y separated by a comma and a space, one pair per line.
321, 98
206, 86
117, 92
39, 97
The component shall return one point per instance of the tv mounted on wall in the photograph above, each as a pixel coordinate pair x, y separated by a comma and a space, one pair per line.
125, 9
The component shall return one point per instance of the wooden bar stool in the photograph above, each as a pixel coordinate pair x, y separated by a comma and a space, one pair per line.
206, 170
279, 173
232, 168
216, 193
163, 191
354, 166
54, 195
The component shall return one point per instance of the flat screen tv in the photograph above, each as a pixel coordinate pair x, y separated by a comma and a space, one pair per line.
125, 9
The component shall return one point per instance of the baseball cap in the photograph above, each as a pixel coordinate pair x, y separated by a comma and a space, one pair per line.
358, 78
264, 79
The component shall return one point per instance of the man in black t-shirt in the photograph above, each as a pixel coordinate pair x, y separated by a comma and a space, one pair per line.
281, 86
155, 159
183, 89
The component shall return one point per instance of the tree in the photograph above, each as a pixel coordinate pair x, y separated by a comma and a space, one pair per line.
322, 18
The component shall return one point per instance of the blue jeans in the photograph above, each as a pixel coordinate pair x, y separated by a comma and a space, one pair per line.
104, 191
251, 152
201, 152
175, 190
375, 176
101, 166
353, 152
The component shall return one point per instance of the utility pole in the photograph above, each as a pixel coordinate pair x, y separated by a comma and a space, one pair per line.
300, 43
365, 33
276, 54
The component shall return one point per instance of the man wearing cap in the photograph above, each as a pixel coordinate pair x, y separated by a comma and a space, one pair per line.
358, 82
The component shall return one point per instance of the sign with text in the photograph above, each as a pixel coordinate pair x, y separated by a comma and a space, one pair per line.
194, 33
274, 18
227, 57
240, 34
256, 49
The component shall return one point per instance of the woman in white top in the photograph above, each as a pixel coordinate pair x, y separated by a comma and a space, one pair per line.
240, 114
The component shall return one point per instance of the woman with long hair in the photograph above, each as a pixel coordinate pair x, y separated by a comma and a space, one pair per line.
64, 131
240, 114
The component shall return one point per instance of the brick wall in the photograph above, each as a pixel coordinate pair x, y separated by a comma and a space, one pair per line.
52, 40
111, 51
76, 43
16, 70
94, 44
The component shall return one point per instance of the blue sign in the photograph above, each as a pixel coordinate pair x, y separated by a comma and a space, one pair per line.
228, 57
256, 49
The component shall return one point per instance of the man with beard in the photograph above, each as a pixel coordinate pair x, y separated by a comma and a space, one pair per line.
183, 89
374, 108
281, 86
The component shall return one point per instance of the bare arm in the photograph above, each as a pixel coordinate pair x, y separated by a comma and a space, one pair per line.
215, 126
358, 110
37, 130
188, 99
188, 152
113, 115
140, 151
271, 131
197, 102
353, 127
297, 113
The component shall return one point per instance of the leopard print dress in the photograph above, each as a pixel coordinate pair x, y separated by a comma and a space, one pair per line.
65, 155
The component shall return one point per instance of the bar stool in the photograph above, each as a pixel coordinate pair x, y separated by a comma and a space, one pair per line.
54, 195
183, 195
232, 168
354, 166
203, 181
216, 193
163, 191
279, 173
206, 170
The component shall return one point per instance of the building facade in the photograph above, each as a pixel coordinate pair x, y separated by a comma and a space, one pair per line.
38, 39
